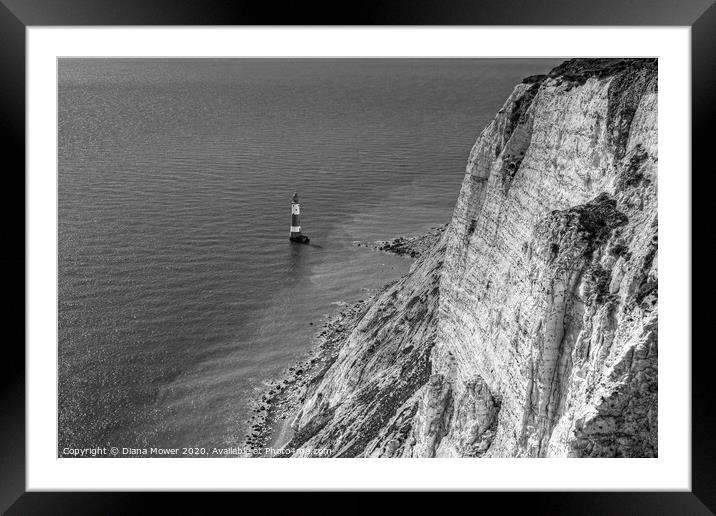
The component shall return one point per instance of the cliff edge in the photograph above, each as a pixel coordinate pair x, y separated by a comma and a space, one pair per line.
530, 327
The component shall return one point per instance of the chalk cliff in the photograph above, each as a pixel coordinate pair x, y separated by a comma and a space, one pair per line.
530, 327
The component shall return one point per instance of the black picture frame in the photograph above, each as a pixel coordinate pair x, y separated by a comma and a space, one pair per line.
17, 15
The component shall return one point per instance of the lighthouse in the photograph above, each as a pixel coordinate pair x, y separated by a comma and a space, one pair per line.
296, 235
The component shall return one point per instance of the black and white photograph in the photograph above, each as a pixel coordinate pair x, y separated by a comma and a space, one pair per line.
357, 257
448, 235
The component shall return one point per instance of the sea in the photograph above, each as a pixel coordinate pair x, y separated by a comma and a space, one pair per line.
179, 293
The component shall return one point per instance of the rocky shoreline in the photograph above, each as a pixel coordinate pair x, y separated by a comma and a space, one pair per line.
412, 246
274, 408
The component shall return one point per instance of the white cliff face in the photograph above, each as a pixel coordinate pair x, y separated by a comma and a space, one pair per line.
366, 401
531, 328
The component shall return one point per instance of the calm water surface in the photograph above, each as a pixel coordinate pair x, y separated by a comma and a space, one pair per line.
179, 292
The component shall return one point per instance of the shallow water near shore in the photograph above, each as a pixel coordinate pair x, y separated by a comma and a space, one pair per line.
178, 290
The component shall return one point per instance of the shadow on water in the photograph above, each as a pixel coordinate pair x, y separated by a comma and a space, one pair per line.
299, 258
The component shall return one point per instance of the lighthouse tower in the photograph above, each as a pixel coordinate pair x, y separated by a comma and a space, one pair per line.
296, 235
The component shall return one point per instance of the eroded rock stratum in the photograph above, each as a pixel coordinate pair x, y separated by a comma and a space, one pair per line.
530, 328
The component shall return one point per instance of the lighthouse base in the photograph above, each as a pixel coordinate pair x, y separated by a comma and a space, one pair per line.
299, 239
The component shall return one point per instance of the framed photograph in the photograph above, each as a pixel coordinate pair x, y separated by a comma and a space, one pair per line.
434, 235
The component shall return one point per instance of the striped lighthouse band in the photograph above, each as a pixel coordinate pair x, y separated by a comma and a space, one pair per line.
295, 216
